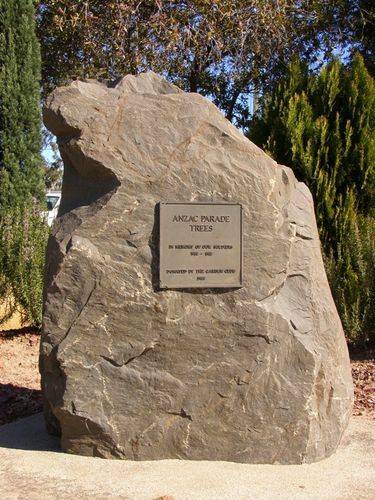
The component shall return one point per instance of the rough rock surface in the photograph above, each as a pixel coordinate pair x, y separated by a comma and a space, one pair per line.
257, 374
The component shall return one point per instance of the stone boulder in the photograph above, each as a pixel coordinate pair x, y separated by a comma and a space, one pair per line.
255, 374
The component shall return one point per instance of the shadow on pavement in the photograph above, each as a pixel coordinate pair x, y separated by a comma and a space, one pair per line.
28, 434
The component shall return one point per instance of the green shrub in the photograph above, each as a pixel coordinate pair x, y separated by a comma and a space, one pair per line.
322, 125
23, 239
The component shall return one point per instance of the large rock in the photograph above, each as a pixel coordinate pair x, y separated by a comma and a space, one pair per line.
255, 374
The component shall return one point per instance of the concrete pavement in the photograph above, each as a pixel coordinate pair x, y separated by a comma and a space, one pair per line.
32, 467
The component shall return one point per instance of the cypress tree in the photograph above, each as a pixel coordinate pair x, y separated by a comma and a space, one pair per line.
323, 126
21, 174
23, 233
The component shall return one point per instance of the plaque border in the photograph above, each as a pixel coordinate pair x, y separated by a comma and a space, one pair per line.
202, 286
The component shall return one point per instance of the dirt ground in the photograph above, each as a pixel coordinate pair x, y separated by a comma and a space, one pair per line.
20, 393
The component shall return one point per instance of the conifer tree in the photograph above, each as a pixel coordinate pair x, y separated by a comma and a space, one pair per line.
20, 133
22, 231
323, 126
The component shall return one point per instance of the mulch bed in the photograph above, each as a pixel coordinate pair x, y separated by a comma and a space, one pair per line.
17, 402
20, 393
363, 371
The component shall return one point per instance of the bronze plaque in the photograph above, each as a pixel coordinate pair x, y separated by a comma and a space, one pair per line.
200, 245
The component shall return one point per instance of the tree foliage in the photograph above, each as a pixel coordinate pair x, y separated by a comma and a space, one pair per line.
220, 48
22, 233
20, 139
356, 23
323, 126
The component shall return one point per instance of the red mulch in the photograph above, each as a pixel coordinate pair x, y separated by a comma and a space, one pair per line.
363, 371
17, 402
20, 393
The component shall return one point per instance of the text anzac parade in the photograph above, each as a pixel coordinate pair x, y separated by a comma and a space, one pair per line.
200, 245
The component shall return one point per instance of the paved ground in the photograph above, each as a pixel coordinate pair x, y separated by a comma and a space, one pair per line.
31, 467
